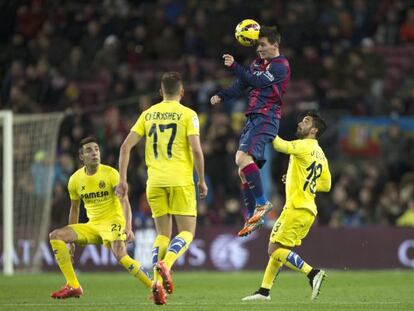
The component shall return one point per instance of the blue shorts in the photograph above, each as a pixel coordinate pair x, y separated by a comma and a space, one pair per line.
258, 131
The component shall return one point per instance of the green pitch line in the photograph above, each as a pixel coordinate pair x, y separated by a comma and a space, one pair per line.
381, 290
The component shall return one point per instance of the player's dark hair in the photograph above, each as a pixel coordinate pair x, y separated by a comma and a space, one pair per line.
271, 33
87, 140
318, 122
171, 83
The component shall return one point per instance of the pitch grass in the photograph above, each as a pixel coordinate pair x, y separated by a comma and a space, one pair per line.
381, 290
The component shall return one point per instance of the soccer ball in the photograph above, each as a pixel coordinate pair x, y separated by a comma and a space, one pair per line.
247, 32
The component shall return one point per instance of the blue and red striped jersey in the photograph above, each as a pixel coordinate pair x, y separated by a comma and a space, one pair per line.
266, 84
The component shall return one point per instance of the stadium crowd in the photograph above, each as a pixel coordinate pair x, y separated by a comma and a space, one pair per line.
100, 61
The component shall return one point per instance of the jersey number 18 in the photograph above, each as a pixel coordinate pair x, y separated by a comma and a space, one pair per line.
315, 171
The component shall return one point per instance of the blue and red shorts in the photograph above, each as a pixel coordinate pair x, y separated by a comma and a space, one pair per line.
259, 131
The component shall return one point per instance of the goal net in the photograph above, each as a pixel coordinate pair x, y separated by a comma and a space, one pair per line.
34, 145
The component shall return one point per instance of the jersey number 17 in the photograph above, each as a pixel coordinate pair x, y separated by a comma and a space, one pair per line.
162, 128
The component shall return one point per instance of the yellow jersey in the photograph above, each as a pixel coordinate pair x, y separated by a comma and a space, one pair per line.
97, 192
168, 155
308, 172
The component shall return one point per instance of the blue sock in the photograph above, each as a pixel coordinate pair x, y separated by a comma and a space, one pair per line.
249, 200
176, 245
252, 175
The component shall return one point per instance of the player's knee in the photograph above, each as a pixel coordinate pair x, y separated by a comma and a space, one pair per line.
56, 234
272, 248
239, 159
241, 174
243, 159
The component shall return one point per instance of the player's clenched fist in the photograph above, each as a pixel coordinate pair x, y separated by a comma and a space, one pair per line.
215, 99
228, 60
121, 190
203, 190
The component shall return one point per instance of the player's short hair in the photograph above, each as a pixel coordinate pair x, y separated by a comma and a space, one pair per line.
318, 122
171, 83
87, 140
271, 33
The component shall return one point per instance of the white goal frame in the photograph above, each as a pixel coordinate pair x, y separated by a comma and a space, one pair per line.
7, 166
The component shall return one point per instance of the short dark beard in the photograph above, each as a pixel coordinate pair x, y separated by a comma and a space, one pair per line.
301, 135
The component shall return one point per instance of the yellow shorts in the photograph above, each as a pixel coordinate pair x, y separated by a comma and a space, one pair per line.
180, 200
292, 226
104, 232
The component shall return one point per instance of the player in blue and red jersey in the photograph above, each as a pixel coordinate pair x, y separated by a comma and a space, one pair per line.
266, 80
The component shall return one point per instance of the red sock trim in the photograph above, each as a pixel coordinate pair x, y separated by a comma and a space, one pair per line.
250, 168
245, 186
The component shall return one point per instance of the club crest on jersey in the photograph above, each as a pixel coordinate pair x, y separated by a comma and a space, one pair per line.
101, 184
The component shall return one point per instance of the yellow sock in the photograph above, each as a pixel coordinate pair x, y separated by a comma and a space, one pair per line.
159, 249
64, 262
177, 247
272, 269
134, 268
291, 260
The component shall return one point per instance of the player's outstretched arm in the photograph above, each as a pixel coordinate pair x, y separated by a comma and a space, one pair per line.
194, 141
235, 90
283, 146
130, 141
275, 74
295, 147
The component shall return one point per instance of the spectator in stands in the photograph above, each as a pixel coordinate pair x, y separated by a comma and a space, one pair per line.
407, 218
392, 148
407, 27
85, 57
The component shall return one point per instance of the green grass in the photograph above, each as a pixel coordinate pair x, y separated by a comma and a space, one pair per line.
380, 290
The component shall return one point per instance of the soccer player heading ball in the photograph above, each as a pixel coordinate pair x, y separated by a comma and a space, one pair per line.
265, 80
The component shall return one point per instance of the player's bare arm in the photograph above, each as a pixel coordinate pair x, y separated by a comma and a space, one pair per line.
126, 207
194, 141
130, 141
73, 219
74, 212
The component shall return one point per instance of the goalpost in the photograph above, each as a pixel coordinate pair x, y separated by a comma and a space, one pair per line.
29, 152
7, 117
